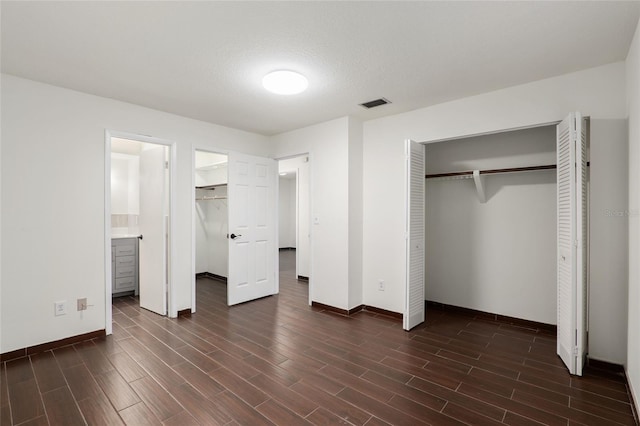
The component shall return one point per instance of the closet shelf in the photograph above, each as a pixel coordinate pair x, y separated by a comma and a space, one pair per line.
211, 187
469, 173
478, 176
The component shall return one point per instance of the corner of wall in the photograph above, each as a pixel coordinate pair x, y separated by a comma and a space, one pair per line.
633, 110
1, 320
356, 212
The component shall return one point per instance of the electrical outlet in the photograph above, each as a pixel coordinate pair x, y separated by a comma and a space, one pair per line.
82, 304
60, 308
380, 285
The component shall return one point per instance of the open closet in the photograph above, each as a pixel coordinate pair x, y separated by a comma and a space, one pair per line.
490, 220
506, 228
211, 216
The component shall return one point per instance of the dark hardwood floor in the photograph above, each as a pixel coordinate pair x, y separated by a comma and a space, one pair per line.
278, 361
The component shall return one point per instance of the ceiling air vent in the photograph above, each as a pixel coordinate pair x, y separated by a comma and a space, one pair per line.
375, 103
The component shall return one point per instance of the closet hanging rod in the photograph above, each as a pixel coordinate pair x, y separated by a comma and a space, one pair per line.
469, 173
211, 187
211, 198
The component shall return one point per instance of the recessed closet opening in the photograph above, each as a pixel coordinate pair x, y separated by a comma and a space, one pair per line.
490, 239
211, 224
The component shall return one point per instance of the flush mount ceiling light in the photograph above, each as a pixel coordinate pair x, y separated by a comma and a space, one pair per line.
285, 82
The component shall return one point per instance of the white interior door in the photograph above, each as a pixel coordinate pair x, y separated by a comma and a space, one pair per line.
415, 303
152, 225
252, 228
572, 228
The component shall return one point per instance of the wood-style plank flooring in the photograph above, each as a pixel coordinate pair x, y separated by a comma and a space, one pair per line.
278, 361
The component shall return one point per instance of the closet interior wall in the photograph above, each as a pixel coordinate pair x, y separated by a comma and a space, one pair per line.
497, 256
287, 213
212, 249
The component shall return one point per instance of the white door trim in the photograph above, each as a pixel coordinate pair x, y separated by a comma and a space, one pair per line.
108, 279
108, 134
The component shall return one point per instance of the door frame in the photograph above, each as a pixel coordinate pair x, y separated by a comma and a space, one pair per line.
309, 155
211, 150
171, 278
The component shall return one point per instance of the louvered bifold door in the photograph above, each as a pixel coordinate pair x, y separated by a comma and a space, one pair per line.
415, 303
581, 249
572, 250
566, 237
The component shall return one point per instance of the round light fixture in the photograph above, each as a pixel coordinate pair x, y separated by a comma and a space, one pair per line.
285, 82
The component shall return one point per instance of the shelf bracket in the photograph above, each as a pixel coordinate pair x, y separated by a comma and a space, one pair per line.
479, 181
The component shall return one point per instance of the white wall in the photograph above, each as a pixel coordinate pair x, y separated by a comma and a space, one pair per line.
355, 212
212, 225
209, 160
119, 185
1, 233
217, 229
134, 186
328, 148
518, 148
215, 176
212, 216
125, 183
125, 192
597, 92
202, 246
287, 213
58, 136
633, 110
497, 256
608, 238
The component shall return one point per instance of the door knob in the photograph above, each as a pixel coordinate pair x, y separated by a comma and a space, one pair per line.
234, 236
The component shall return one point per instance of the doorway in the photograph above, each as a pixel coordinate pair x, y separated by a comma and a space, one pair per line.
512, 222
294, 220
211, 221
250, 227
138, 221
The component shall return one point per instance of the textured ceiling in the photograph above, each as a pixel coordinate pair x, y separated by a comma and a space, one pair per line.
205, 60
